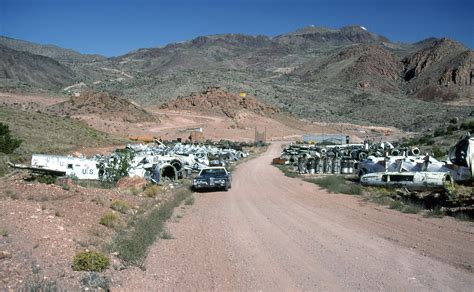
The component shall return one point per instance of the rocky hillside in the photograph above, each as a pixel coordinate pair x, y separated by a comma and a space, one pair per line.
315, 73
442, 71
101, 104
18, 69
216, 100
51, 51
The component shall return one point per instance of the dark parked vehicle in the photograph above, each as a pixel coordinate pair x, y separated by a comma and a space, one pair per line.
213, 178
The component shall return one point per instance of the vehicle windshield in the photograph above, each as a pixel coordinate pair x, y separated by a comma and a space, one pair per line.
217, 171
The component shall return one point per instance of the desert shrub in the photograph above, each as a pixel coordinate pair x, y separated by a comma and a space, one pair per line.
397, 205
111, 220
439, 132
467, 126
438, 152
90, 261
411, 208
426, 140
119, 165
47, 179
152, 190
436, 213
165, 234
337, 184
3, 232
120, 206
7, 143
189, 201
405, 207
134, 191
451, 128
96, 184
286, 171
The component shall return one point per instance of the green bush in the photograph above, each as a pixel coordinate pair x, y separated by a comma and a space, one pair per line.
439, 132
438, 152
119, 165
47, 179
120, 206
467, 126
7, 143
90, 261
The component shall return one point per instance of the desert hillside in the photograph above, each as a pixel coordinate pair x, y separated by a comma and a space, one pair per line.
326, 75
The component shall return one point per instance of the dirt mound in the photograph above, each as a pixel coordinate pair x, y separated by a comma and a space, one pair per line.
216, 100
104, 105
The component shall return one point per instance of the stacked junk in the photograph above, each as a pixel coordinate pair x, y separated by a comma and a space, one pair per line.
155, 162
382, 164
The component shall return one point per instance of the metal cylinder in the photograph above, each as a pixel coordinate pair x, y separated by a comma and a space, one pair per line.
336, 165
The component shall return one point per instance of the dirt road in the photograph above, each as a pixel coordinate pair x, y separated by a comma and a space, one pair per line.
270, 232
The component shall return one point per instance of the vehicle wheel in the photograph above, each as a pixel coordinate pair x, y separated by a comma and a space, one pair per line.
230, 186
226, 188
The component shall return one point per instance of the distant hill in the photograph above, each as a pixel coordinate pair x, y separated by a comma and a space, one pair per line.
103, 105
26, 69
440, 72
349, 74
51, 51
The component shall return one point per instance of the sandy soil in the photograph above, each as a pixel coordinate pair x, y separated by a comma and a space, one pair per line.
46, 225
270, 232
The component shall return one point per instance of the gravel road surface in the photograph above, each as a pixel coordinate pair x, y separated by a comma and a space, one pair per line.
271, 232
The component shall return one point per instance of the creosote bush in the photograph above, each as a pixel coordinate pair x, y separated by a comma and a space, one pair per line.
90, 261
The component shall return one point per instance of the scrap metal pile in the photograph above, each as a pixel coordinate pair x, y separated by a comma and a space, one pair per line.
382, 164
155, 162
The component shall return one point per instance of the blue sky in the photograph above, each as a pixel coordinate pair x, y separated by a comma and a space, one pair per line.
115, 27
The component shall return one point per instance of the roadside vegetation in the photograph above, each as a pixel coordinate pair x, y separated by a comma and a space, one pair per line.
438, 141
336, 184
430, 204
133, 242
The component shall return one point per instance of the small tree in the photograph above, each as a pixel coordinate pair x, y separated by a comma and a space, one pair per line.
7, 143
118, 166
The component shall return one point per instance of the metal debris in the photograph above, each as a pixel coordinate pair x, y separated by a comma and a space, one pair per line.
154, 162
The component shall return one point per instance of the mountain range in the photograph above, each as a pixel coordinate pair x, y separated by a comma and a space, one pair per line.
348, 74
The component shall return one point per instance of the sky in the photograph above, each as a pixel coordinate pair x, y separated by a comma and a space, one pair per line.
115, 27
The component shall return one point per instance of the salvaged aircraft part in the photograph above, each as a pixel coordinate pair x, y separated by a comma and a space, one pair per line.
152, 161
462, 154
412, 163
416, 181
63, 165
164, 170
